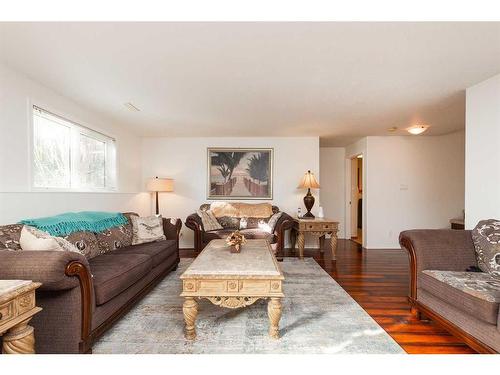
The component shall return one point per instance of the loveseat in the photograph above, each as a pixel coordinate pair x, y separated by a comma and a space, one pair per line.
81, 298
230, 214
443, 289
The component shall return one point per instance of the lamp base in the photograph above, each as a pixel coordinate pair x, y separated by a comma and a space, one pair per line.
309, 203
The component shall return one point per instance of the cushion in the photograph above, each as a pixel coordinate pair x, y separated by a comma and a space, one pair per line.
486, 238
114, 273
147, 229
270, 226
32, 241
33, 238
115, 238
85, 242
10, 235
248, 233
476, 293
228, 222
157, 251
238, 209
209, 221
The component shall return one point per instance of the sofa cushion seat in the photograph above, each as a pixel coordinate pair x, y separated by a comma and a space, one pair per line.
249, 234
475, 293
158, 251
113, 273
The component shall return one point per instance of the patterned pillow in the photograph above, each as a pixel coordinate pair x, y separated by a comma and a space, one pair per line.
209, 221
10, 235
486, 237
229, 222
115, 238
86, 243
147, 229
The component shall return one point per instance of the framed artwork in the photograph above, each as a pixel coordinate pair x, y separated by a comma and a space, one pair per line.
240, 173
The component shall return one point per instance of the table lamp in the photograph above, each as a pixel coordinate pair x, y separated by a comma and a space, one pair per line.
157, 185
309, 182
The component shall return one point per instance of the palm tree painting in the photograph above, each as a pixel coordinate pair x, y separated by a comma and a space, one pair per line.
240, 173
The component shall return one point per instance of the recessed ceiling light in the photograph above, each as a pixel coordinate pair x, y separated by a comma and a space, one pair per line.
392, 129
417, 129
131, 107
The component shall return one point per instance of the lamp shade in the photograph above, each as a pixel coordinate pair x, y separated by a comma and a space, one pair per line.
160, 184
309, 181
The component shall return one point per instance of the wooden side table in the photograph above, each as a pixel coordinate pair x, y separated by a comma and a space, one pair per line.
17, 307
318, 228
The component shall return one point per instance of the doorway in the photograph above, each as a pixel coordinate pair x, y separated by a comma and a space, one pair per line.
356, 199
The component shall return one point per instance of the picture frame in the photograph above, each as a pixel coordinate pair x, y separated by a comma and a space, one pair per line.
239, 173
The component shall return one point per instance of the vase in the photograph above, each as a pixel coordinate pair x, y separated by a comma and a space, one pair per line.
236, 248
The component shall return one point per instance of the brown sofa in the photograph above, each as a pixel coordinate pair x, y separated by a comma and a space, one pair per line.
230, 224
465, 303
82, 298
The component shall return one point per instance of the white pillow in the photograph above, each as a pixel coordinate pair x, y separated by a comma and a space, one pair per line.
147, 229
33, 239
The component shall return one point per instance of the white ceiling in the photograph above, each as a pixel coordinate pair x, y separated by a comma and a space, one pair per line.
339, 81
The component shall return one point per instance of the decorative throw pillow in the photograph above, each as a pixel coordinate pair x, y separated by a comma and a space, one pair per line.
115, 238
86, 243
147, 229
271, 223
10, 235
33, 239
486, 237
209, 221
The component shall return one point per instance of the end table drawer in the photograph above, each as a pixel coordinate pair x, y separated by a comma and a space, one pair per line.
7, 311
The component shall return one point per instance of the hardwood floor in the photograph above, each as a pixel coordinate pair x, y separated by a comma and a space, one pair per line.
378, 281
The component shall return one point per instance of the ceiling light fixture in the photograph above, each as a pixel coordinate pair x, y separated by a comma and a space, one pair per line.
131, 107
417, 129
393, 129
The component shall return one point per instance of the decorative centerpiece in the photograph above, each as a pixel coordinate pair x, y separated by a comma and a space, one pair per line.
235, 240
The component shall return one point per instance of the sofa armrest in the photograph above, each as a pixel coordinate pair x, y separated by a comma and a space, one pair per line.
194, 222
46, 267
172, 228
437, 249
284, 223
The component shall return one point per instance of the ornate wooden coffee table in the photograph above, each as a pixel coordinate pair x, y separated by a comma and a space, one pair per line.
17, 307
233, 280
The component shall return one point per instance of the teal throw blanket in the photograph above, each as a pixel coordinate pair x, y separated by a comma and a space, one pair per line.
67, 223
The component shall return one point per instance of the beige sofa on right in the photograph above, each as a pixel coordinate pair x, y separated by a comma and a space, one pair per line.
465, 303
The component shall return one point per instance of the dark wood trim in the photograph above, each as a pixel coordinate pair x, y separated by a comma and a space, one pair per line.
85, 279
108, 323
453, 329
196, 228
408, 246
284, 226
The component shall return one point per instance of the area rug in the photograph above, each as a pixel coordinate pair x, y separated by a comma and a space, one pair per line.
318, 317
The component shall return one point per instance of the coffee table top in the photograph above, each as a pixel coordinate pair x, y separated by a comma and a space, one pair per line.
255, 260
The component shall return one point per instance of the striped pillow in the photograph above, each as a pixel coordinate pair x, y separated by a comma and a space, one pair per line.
209, 221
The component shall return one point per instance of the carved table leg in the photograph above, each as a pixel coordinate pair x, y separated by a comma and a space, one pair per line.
301, 244
190, 310
333, 245
20, 339
293, 239
274, 313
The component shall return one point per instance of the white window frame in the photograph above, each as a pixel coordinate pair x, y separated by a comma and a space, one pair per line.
76, 128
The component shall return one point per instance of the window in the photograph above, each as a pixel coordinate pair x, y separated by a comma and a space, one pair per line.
70, 156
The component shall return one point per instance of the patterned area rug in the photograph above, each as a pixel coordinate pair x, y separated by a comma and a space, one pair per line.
318, 317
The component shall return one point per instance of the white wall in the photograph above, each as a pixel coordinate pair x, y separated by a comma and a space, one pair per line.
185, 160
482, 166
17, 201
332, 192
413, 182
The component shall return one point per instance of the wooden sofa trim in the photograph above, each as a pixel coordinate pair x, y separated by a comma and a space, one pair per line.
85, 279
418, 308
